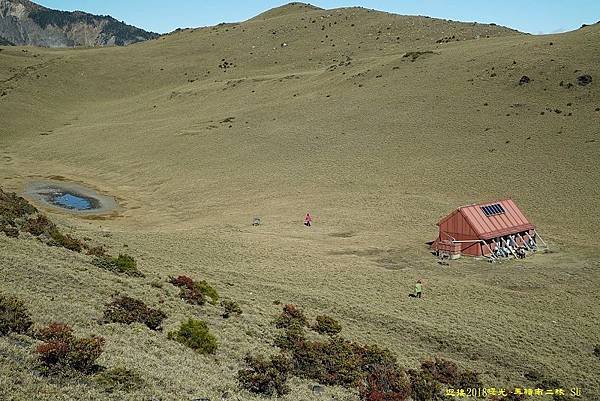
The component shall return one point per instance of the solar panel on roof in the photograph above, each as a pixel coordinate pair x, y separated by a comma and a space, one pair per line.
492, 210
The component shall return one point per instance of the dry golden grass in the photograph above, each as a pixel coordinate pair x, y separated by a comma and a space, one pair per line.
378, 150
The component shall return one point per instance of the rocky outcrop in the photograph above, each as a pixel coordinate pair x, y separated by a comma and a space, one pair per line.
25, 23
4, 42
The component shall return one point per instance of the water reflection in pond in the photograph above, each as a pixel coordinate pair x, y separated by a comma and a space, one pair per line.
71, 197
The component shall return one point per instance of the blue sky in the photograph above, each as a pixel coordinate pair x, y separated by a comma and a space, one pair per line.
533, 16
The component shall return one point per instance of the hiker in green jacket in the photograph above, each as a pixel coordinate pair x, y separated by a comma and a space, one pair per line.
418, 289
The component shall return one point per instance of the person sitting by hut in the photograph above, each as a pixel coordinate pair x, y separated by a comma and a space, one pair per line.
307, 220
521, 252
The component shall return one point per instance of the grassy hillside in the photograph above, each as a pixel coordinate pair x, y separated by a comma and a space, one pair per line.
378, 124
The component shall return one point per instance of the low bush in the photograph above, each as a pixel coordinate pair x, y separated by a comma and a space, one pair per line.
333, 362
129, 310
14, 317
64, 240
291, 316
97, 251
385, 383
182, 281
13, 207
208, 291
119, 379
442, 370
195, 292
424, 387
9, 230
230, 308
40, 225
290, 339
265, 376
372, 370
55, 332
195, 334
124, 264
597, 350
468, 379
62, 351
327, 325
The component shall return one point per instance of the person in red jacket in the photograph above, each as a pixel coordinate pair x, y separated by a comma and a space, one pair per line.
307, 220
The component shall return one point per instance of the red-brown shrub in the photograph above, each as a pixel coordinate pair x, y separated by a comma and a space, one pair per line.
195, 292
385, 383
182, 281
39, 225
265, 376
291, 316
62, 351
56, 332
442, 370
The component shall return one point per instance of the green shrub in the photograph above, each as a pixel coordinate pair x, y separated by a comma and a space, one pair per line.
62, 351
64, 240
291, 316
128, 310
119, 379
13, 316
334, 362
124, 264
208, 291
265, 376
327, 325
290, 339
230, 308
194, 334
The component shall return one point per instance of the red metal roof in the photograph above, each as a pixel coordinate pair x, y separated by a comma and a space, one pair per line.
510, 222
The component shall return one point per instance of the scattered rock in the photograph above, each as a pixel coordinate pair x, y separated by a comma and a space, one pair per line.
415, 55
524, 80
584, 79
318, 389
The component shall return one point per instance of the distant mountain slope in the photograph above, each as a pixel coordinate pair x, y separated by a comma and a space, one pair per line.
25, 23
287, 9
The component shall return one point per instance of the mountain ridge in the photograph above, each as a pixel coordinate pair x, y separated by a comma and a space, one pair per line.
23, 22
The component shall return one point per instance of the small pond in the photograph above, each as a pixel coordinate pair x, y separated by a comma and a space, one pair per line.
71, 201
70, 197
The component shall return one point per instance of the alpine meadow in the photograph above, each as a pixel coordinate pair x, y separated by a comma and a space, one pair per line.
378, 125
